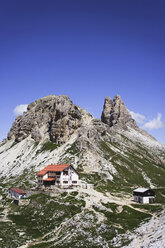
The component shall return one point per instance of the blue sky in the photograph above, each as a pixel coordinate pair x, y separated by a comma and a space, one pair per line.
86, 49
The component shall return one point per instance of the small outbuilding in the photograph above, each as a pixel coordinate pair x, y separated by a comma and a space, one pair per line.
143, 195
16, 193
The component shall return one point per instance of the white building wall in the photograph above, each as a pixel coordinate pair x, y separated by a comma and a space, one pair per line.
66, 178
72, 176
45, 176
143, 199
75, 178
146, 199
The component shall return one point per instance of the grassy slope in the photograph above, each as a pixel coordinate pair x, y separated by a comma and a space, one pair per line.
44, 215
131, 163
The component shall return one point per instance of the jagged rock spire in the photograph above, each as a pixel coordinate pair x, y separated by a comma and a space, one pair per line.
115, 112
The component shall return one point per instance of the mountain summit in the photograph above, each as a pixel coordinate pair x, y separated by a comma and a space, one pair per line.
116, 113
52, 117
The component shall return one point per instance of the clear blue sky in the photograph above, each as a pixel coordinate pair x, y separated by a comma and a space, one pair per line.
86, 49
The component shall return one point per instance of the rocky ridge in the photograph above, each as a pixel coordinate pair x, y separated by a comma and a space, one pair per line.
100, 144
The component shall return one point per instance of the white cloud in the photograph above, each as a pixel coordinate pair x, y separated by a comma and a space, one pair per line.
156, 123
20, 109
139, 118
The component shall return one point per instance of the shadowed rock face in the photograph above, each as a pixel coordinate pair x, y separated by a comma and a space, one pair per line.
52, 117
116, 113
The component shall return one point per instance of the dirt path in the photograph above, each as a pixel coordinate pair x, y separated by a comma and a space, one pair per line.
95, 197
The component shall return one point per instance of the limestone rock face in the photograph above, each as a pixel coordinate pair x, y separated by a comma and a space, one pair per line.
116, 113
92, 133
105, 117
52, 117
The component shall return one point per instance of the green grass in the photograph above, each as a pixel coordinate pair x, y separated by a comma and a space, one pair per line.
111, 206
128, 219
91, 178
48, 146
42, 245
80, 168
44, 213
108, 152
128, 171
14, 143
64, 194
73, 150
74, 193
156, 172
1, 209
149, 208
23, 180
36, 143
8, 232
160, 195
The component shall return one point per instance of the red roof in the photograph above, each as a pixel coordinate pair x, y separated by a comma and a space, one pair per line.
19, 191
49, 179
54, 168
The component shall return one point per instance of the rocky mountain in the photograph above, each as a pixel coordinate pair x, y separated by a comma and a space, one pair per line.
113, 154
52, 117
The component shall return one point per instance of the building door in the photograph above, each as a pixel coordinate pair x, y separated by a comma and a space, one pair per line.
151, 200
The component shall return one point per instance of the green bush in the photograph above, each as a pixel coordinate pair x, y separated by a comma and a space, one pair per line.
48, 146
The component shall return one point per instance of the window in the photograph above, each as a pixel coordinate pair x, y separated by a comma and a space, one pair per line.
65, 173
58, 173
65, 182
74, 182
57, 181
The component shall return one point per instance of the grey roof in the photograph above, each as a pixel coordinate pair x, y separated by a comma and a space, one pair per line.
141, 190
